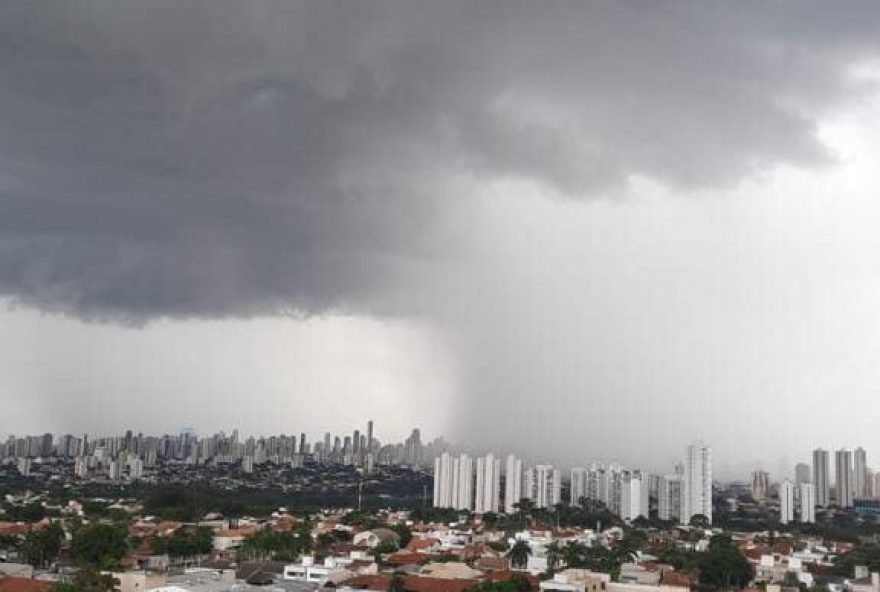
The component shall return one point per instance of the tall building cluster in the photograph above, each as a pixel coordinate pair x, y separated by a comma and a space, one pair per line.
131, 455
465, 483
853, 479
623, 491
479, 485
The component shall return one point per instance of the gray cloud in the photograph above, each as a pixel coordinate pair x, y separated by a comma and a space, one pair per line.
205, 158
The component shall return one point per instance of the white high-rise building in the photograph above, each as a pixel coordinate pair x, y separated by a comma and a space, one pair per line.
81, 467
808, 502
821, 477
578, 486
633, 496
698, 481
671, 498
786, 502
530, 484
843, 478
135, 468
488, 484
860, 474
463, 482
513, 489
446, 473
548, 486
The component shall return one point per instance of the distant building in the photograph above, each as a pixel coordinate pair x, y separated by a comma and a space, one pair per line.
698, 481
843, 478
821, 476
802, 473
488, 488
760, 484
808, 502
513, 490
671, 498
548, 486
786, 502
578, 486
860, 474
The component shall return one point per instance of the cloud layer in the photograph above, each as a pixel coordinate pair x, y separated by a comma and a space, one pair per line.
204, 159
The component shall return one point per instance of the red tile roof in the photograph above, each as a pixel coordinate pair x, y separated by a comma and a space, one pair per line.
24, 585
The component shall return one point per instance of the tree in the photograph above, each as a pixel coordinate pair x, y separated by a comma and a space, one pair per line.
41, 547
723, 565
554, 554
99, 546
280, 545
519, 554
86, 580
699, 521
404, 532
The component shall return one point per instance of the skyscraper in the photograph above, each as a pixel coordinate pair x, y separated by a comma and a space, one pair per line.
843, 482
548, 486
512, 483
633, 496
786, 502
808, 502
802, 473
760, 484
860, 474
698, 481
443, 481
671, 498
578, 486
821, 470
488, 484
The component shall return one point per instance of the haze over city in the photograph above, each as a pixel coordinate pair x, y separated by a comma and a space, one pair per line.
579, 231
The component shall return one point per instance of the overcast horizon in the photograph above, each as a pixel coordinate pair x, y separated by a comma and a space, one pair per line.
590, 231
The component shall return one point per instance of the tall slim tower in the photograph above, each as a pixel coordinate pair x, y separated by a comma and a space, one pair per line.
370, 436
808, 502
513, 489
786, 502
821, 471
578, 486
698, 481
860, 474
802, 473
843, 478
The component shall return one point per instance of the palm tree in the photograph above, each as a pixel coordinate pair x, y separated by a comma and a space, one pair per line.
519, 554
554, 554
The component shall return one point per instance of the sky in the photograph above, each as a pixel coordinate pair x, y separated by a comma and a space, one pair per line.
577, 231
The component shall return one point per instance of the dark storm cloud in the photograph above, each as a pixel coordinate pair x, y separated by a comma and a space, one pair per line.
213, 158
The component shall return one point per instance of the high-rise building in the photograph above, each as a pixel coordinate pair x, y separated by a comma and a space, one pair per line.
370, 436
529, 484
843, 478
488, 484
860, 474
548, 486
802, 473
578, 486
633, 496
443, 481
513, 489
808, 502
786, 502
821, 477
671, 498
760, 484
698, 481
463, 482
